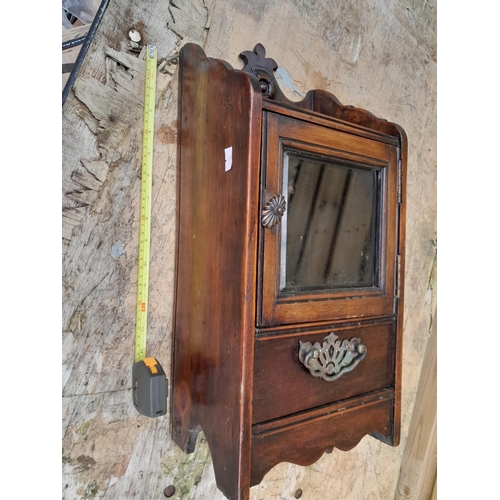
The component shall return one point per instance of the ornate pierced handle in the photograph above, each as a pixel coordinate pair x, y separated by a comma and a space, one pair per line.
332, 359
273, 211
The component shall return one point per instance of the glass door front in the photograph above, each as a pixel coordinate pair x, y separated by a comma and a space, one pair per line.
330, 254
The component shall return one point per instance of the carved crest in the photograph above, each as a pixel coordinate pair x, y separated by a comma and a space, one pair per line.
332, 359
318, 100
262, 67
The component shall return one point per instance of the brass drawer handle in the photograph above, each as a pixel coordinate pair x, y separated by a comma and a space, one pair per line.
273, 211
332, 359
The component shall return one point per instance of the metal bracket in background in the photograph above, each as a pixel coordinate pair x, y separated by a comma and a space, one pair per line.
83, 50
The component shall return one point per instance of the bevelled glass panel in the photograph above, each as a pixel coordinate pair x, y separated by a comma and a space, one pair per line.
330, 225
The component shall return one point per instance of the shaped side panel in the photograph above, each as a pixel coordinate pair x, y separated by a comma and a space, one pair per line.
214, 311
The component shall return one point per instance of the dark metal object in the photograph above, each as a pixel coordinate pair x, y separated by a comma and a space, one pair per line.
83, 50
169, 491
273, 211
66, 68
332, 359
73, 43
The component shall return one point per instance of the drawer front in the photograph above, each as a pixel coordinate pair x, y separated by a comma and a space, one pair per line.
303, 441
284, 386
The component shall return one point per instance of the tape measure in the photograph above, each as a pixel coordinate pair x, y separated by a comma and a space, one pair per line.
145, 217
148, 378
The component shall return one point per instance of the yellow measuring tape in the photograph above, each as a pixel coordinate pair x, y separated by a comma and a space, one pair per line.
145, 220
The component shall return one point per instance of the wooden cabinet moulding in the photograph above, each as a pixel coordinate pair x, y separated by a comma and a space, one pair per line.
287, 336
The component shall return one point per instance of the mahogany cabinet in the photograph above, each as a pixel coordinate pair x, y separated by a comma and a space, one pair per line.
287, 335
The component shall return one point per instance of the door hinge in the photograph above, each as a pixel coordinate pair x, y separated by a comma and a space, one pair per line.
399, 183
398, 276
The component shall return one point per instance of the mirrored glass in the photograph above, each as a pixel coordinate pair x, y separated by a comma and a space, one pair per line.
329, 227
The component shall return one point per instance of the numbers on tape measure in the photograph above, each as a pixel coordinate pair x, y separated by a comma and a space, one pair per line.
145, 205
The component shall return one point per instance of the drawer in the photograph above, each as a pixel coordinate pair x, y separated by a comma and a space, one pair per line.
304, 438
284, 386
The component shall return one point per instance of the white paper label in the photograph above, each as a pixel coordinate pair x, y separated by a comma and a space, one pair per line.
228, 153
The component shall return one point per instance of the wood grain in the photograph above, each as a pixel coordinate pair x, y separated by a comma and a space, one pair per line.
216, 264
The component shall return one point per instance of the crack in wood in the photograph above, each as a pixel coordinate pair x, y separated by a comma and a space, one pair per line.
175, 31
170, 10
84, 394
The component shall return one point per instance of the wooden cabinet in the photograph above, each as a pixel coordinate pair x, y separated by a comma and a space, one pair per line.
287, 336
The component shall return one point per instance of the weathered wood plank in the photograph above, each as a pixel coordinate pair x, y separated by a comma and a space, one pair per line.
102, 123
419, 466
376, 55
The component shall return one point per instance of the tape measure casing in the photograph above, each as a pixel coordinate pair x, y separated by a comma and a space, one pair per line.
149, 388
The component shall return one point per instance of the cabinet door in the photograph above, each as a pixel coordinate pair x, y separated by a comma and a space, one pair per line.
329, 217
